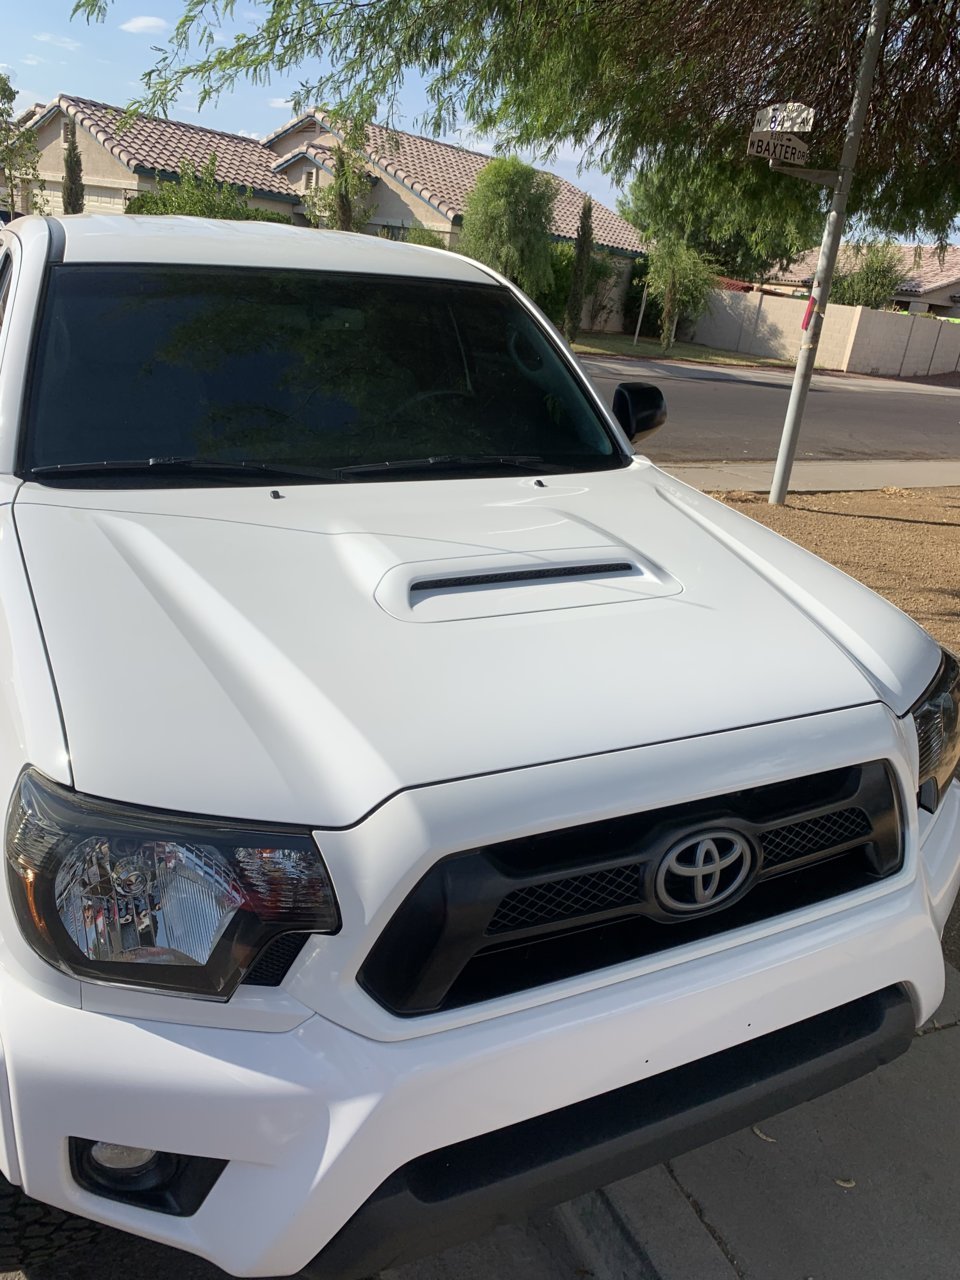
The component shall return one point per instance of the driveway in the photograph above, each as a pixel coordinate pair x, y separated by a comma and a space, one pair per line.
736, 415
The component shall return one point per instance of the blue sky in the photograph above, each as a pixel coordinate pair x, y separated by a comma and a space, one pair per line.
45, 53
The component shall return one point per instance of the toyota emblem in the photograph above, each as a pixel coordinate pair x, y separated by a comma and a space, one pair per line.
703, 870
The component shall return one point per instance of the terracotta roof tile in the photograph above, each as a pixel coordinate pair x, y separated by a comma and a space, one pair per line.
925, 277
323, 155
161, 146
444, 175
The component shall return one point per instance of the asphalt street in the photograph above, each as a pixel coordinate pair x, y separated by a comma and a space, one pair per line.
736, 415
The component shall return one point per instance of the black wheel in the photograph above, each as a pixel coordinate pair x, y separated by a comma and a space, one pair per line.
33, 1233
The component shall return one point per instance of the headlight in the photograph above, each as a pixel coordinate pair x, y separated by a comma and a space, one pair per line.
937, 719
159, 900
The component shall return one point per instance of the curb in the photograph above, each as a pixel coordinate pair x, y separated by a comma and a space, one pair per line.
820, 477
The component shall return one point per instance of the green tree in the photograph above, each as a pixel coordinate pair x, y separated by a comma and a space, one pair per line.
554, 298
582, 252
739, 214
621, 79
506, 222
869, 276
345, 203
19, 157
681, 280
197, 193
72, 190
424, 236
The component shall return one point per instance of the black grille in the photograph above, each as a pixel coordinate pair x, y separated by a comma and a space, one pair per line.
560, 899
829, 831
516, 915
273, 963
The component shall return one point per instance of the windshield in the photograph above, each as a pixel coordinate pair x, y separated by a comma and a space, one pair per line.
176, 374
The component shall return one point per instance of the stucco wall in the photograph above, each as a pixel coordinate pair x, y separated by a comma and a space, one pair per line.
99, 166
946, 353
880, 342
920, 344
395, 206
768, 326
853, 339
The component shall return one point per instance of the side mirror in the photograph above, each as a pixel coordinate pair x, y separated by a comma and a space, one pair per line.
640, 408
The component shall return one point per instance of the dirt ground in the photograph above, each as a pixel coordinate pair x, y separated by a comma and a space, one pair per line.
904, 543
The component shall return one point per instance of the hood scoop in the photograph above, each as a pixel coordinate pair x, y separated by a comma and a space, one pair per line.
522, 575
494, 586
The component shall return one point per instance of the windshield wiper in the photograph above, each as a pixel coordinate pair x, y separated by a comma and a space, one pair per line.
186, 466
455, 462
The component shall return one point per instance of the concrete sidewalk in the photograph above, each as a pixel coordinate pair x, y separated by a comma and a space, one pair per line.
818, 477
863, 1184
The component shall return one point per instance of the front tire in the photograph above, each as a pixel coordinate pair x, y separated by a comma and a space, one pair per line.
32, 1233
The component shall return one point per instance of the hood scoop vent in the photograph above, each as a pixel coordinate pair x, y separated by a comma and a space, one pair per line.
491, 586
507, 576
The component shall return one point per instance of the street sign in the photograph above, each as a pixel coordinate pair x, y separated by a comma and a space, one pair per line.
783, 147
783, 117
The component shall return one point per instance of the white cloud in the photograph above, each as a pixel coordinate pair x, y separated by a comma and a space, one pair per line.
250, 133
62, 42
145, 26
31, 60
281, 104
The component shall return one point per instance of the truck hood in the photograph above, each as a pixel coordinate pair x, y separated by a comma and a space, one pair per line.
299, 658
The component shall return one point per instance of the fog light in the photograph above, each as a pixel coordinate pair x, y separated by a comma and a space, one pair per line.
120, 1159
159, 1180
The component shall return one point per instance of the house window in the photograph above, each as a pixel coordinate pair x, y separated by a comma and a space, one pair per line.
308, 179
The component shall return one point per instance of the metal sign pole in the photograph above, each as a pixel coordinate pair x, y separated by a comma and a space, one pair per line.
833, 231
643, 307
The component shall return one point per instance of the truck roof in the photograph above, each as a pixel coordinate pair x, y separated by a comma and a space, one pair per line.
117, 238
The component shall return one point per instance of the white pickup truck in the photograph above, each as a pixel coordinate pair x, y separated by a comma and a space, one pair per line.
420, 808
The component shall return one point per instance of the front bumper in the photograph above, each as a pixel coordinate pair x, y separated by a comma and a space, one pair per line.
314, 1119
473, 1186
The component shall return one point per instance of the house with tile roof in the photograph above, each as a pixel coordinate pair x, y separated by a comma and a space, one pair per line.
420, 182
417, 182
931, 281
431, 180
122, 159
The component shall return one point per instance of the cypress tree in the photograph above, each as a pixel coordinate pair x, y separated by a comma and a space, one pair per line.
582, 252
72, 173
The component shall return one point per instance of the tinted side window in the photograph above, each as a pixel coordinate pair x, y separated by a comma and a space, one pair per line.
6, 276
